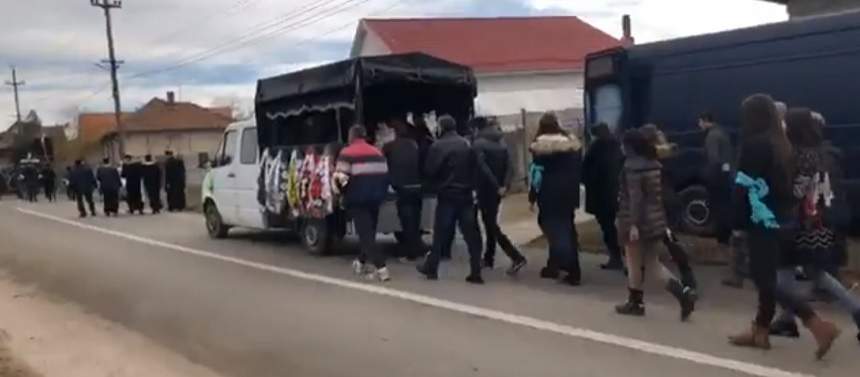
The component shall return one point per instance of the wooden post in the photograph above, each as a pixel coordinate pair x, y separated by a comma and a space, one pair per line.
524, 120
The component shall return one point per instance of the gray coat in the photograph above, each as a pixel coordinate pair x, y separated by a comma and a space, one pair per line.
640, 200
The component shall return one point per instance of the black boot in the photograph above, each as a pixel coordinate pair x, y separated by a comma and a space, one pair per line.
634, 305
685, 296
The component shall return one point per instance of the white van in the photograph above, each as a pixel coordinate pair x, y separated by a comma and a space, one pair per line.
229, 196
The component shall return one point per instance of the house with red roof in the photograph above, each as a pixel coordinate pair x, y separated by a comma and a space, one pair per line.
533, 63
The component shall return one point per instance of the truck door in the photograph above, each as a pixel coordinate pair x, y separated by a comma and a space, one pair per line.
224, 178
247, 171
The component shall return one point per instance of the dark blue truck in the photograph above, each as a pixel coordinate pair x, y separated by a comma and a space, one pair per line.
812, 62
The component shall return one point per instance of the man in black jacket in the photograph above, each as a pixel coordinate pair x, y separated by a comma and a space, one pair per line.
493, 182
84, 182
600, 171
174, 182
132, 171
404, 171
109, 185
451, 170
152, 183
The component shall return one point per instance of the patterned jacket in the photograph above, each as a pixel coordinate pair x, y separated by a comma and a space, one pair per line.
640, 200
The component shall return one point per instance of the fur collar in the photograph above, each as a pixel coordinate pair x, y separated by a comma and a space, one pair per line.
552, 144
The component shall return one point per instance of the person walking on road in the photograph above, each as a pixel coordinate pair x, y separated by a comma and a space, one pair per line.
109, 185
49, 182
174, 182
554, 179
31, 182
642, 225
152, 183
451, 169
132, 171
84, 183
404, 169
600, 170
362, 172
493, 181
821, 217
764, 208
67, 181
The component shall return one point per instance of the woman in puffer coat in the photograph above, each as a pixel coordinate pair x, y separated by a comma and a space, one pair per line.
642, 225
554, 186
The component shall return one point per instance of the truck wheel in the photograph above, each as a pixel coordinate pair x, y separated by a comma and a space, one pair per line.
696, 213
214, 224
316, 237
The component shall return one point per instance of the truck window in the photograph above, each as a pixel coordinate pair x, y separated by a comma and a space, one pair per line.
608, 105
249, 146
229, 151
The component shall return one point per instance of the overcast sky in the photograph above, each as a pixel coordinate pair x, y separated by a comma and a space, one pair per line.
212, 51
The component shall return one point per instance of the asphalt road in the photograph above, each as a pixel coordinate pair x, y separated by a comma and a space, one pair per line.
257, 305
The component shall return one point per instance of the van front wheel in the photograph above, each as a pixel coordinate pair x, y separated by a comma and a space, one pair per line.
696, 213
214, 223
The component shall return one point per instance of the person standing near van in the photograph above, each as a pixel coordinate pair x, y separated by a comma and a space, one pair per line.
600, 170
365, 172
404, 168
719, 156
451, 170
493, 181
109, 185
174, 182
132, 171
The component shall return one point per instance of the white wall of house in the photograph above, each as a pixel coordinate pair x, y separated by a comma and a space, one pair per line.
372, 45
508, 93
188, 144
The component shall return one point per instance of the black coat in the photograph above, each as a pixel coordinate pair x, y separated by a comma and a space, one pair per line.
600, 171
451, 167
404, 167
133, 174
174, 174
109, 180
151, 177
83, 180
494, 161
560, 157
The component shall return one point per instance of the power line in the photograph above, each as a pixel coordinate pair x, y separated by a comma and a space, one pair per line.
234, 9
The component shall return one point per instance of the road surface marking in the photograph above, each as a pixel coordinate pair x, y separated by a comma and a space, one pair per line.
520, 320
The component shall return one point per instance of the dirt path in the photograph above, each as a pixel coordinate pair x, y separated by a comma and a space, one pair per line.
40, 336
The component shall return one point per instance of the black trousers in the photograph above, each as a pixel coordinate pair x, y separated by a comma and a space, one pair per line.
134, 198
175, 198
365, 218
88, 197
610, 235
560, 231
681, 259
50, 192
409, 206
153, 194
489, 208
451, 212
111, 201
765, 249
720, 199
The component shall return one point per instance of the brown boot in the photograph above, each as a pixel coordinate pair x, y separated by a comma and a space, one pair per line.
756, 337
824, 332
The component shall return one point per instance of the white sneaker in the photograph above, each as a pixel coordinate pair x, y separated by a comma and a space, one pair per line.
383, 275
358, 267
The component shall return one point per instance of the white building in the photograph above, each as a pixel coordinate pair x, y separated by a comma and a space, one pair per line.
531, 63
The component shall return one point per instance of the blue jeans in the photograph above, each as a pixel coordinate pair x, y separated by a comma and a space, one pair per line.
788, 279
451, 212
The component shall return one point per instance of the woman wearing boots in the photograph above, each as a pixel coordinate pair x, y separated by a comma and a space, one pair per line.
764, 207
642, 225
819, 188
554, 186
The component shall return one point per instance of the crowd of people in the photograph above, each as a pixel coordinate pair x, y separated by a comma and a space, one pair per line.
777, 200
133, 178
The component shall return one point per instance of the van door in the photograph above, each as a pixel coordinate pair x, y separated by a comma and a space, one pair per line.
224, 178
247, 172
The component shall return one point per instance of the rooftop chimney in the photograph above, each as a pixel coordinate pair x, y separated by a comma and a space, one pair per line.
171, 98
627, 39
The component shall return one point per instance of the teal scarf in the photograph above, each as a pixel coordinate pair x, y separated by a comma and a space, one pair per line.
757, 189
535, 176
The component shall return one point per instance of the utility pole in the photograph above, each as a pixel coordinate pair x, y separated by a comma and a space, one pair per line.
15, 84
107, 5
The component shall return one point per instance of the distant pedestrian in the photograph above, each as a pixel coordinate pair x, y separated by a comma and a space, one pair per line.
152, 183
764, 208
132, 171
494, 178
719, 157
451, 169
109, 185
49, 182
32, 182
554, 186
174, 182
84, 183
600, 170
404, 169
365, 171
67, 181
642, 225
